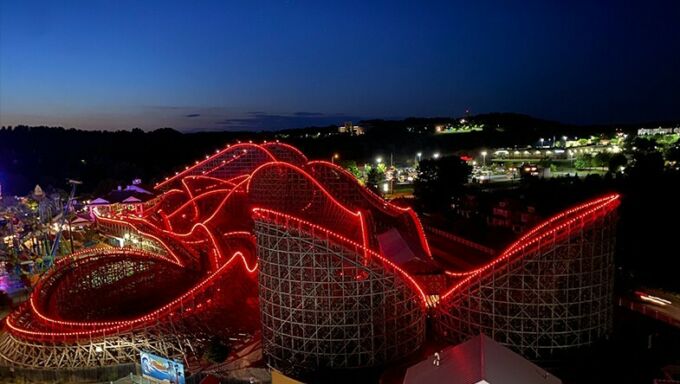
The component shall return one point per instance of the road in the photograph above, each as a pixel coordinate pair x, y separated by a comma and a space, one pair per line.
654, 303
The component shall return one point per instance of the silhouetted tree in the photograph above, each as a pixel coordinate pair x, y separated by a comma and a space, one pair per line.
217, 350
647, 164
673, 153
616, 162
583, 161
439, 180
354, 170
602, 159
373, 179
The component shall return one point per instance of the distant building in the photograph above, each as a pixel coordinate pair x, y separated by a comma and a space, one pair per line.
512, 214
657, 131
129, 200
467, 206
476, 361
80, 222
508, 213
350, 128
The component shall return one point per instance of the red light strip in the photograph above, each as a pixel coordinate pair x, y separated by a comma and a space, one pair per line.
216, 250
166, 220
364, 237
125, 223
164, 196
193, 199
95, 254
380, 202
240, 178
421, 231
262, 214
90, 252
306, 175
548, 228
211, 178
210, 218
210, 158
292, 148
237, 234
116, 326
531, 238
316, 183
191, 196
225, 163
536, 229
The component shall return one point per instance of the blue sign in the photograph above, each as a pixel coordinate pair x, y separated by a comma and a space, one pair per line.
161, 369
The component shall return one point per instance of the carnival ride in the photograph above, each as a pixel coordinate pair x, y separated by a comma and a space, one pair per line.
257, 238
549, 291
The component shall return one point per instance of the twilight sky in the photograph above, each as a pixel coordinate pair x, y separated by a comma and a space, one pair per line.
227, 65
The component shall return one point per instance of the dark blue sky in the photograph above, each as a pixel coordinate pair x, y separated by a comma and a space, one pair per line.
268, 65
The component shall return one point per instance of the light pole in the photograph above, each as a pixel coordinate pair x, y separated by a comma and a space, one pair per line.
378, 160
484, 159
418, 156
436, 155
334, 157
541, 140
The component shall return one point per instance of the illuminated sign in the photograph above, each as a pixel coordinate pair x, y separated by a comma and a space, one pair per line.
160, 369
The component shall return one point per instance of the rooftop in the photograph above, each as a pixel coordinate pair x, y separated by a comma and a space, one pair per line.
476, 361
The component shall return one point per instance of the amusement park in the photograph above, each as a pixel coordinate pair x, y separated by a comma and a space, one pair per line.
256, 264
333, 192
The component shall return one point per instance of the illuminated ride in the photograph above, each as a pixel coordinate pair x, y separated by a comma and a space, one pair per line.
256, 238
549, 291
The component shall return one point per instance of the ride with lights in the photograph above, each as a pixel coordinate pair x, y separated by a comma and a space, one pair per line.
257, 238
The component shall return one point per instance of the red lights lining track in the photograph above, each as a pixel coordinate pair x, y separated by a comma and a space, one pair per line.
549, 291
358, 196
103, 328
222, 160
285, 220
550, 227
203, 223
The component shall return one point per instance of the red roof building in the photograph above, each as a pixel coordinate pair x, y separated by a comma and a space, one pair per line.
480, 360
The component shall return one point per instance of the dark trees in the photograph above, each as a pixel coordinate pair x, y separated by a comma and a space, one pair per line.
439, 180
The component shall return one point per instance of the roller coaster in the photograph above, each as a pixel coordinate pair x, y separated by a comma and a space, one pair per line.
256, 239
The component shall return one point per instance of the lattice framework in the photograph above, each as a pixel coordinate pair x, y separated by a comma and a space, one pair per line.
321, 307
328, 297
554, 295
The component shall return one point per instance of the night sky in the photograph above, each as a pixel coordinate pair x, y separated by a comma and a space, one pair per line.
223, 65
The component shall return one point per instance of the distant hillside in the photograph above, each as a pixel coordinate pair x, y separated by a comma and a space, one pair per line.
516, 121
103, 160
501, 121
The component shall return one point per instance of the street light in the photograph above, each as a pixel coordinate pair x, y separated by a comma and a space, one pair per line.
418, 156
484, 158
541, 140
436, 155
334, 157
378, 159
